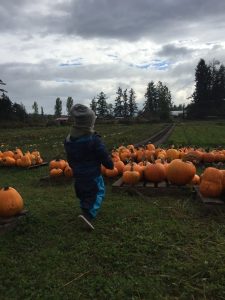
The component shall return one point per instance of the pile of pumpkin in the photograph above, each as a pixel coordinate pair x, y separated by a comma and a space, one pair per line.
156, 165
151, 153
18, 158
59, 168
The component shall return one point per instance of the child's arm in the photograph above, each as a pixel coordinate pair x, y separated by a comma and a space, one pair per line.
102, 154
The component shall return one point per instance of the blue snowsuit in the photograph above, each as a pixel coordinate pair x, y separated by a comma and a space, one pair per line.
85, 154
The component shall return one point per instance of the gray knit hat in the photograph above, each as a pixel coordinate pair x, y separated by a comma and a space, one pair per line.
83, 116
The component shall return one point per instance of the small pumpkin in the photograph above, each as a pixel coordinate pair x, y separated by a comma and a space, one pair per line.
131, 177
111, 173
68, 172
56, 172
57, 163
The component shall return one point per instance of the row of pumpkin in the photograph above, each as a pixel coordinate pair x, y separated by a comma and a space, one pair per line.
18, 158
150, 153
178, 172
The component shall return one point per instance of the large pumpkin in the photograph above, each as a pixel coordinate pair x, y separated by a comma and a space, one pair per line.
11, 203
180, 172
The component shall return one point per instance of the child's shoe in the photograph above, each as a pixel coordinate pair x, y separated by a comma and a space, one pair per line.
86, 221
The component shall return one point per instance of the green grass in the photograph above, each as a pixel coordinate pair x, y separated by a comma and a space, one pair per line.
152, 248
205, 134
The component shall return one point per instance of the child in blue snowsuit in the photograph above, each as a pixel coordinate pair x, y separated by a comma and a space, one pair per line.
85, 154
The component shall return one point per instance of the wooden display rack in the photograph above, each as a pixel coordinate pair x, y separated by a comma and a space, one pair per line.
150, 189
7, 224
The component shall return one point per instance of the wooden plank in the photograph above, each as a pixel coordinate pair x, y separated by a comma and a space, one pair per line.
150, 189
206, 200
38, 165
4, 220
56, 180
10, 223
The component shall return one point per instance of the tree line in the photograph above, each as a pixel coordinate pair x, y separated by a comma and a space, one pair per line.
208, 99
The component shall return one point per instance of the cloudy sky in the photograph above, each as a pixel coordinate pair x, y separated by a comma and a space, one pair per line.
78, 48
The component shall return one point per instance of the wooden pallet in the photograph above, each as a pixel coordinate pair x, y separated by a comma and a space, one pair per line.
27, 168
7, 224
151, 189
38, 165
56, 180
208, 201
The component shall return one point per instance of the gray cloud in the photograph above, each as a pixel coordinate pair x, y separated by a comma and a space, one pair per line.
158, 20
171, 37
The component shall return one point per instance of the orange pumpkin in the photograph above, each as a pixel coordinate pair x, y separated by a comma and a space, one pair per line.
131, 177
8, 161
56, 172
210, 188
155, 172
111, 173
7, 154
120, 166
11, 203
212, 174
180, 172
68, 172
150, 147
172, 154
58, 163
195, 180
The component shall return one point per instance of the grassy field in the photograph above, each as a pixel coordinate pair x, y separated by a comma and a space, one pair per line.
204, 134
156, 248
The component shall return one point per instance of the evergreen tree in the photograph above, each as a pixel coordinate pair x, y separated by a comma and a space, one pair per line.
58, 107
1, 89
101, 109
35, 108
118, 109
5, 107
218, 91
164, 102
132, 103
150, 104
202, 94
93, 105
19, 112
125, 104
42, 111
69, 104
110, 109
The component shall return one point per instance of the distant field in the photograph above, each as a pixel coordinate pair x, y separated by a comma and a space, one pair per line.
50, 140
205, 134
153, 248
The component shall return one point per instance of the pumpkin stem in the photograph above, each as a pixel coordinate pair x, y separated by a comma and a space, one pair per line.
6, 188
